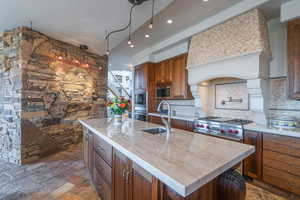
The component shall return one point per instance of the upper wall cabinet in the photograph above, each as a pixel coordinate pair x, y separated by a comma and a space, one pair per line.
294, 59
180, 87
163, 73
172, 73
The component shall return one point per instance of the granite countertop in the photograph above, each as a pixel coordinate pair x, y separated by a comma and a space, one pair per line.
180, 117
183, 161
272, 130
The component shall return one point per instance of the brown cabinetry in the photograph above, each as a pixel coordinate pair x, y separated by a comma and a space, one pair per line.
172, 73
175, 123
119, 178
281, 162
163, 73
144, 81
294, 58
102, 167
252, 165
122, 177
180, 87
88, 152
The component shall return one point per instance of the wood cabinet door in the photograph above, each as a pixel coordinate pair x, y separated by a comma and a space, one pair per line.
122, 176
155, 120
294, 58
179, 75
180, 124
163, 73
91, 153
103, 189
252, 166
142, 184
86, 148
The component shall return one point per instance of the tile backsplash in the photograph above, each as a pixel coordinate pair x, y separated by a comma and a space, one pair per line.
239, 90
183, 107
279, 104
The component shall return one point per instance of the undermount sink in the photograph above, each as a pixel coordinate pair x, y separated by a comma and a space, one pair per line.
155, 131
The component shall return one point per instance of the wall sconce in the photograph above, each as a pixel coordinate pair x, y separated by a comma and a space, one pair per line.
76, 61
85, 65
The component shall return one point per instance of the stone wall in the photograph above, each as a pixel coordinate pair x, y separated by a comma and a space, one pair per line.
60, 84
10, 96
238, 36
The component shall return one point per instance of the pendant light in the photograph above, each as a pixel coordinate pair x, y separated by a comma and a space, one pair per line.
152, 17
128, 26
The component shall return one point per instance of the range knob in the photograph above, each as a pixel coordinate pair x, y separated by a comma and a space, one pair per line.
222, 131
230, 131
207, 127
235, 131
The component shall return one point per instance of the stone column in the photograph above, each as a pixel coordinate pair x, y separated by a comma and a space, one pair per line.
198, 91
258, 98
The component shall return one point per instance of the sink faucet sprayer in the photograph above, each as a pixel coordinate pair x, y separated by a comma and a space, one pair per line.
166, 123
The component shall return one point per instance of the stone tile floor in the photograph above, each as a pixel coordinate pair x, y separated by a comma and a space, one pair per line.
63, 177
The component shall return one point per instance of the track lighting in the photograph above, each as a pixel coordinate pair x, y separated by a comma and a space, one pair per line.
128, 26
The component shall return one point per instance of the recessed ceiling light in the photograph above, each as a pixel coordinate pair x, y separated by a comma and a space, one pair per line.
205, 0
132, 46
147, 36
129, 42
169, 21
150, 26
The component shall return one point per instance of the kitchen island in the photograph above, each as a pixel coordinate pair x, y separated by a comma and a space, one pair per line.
126, 162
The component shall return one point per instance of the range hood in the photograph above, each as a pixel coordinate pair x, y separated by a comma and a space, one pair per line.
238, 48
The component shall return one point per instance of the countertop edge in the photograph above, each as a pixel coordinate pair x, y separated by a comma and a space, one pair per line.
275, 131
191, 119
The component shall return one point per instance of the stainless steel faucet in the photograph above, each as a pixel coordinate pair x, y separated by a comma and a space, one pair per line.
166, 123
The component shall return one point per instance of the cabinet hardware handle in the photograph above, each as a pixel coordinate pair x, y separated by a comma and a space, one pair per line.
123, 174
127, 177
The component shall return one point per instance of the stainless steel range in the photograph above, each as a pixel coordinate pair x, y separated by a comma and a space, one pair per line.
221, 127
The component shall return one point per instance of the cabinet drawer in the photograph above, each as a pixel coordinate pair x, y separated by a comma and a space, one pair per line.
282, 162
103, 169
102, 188
282, 180
103, 149
282, 144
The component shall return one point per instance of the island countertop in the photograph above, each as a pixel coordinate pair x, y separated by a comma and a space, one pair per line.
184, 161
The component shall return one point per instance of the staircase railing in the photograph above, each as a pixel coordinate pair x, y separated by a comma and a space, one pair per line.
114, 84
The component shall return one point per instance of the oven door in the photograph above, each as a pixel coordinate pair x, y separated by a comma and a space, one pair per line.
140, 99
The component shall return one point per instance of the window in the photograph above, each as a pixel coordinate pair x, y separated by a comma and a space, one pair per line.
119, 78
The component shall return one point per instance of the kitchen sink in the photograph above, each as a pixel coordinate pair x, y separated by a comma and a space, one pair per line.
155, 131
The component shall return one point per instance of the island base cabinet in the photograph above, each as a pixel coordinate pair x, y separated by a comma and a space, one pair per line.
252, 166
116, 177
102, 188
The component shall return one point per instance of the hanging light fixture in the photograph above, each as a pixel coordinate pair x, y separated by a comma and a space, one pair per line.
128, 26
152, 17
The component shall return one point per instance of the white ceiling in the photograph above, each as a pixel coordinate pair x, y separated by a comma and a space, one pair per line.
184, 13
76, 21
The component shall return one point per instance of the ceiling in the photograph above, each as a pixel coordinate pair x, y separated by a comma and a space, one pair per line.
76, 21
79, 22
184, 13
